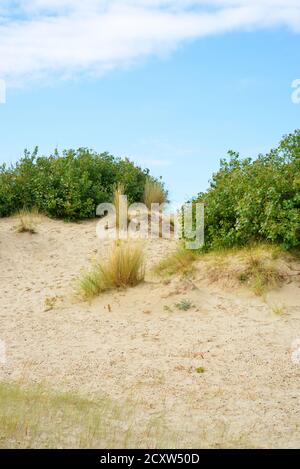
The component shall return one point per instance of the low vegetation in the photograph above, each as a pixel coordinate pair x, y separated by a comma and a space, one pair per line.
257, 267
279, 310
179, 261
184, 305
124, 268
34, 417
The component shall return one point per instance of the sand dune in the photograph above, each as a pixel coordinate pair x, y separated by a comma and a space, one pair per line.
138, 343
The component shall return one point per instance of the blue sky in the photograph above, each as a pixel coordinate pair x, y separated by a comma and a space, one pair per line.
175, 107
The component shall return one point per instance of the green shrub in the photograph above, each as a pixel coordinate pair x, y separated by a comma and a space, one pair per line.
7, 191
255, 200
70, 185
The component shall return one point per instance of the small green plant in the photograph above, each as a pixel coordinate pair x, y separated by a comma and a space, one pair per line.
200, 370
184, 304
50, 302
278, 309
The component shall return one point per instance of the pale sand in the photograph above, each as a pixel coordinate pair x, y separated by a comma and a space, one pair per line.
248, 394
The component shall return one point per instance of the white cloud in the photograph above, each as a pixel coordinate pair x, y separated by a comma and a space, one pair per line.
65, 38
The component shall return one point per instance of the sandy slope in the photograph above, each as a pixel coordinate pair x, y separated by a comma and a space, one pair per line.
144, 347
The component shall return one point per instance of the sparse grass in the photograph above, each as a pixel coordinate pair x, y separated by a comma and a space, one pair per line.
184, 304
279, 310
153, 193
34, 417
256, 267
179, 261
27, 221
259, 267
260, 272
124, 268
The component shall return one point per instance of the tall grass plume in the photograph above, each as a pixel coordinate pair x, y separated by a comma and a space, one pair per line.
154, 193
27, 221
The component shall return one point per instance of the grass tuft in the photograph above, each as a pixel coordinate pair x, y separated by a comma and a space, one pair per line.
27, 221
124, 268
279, 310
260, 273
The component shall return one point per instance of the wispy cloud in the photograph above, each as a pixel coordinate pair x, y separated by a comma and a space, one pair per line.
66, 38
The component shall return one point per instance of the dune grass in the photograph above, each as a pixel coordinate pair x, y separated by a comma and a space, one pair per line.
179, 261
124, 268
255, 267
261, 272
154, 193
27, 221
34, 417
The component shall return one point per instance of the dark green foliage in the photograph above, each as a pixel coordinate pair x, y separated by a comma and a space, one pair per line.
7, 191
68, 186
254, 200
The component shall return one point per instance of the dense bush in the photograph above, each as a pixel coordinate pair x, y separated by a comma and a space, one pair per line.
68, 186
252, 200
